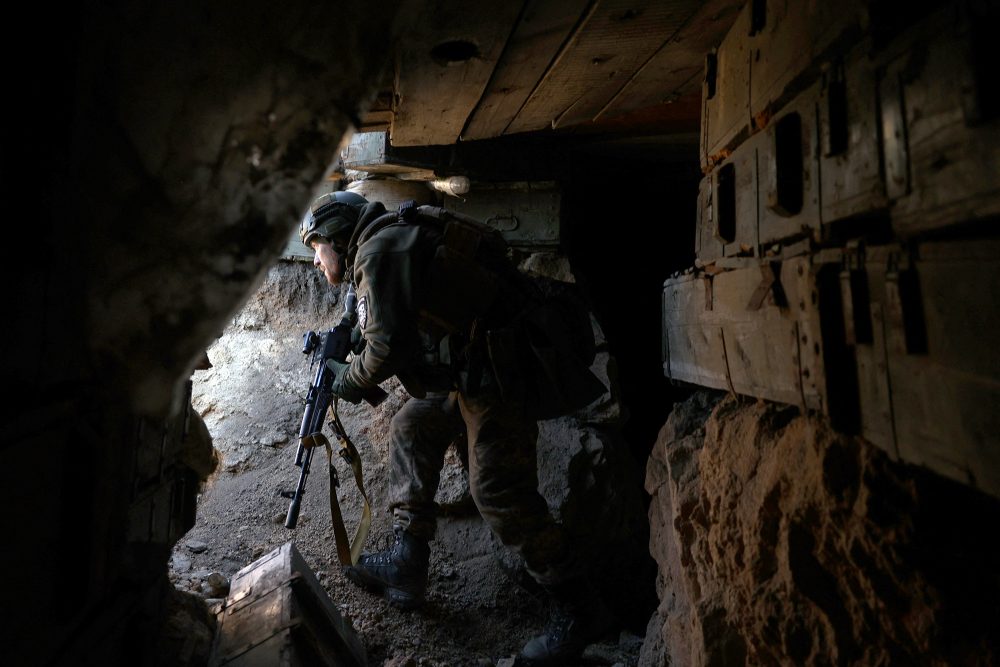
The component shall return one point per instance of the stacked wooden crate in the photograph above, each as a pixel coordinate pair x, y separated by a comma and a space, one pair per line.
277, 614
847, 247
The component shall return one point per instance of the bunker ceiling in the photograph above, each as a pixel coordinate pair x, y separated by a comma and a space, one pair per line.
462, 73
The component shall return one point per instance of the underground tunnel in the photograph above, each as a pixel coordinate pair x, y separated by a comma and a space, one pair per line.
781, 219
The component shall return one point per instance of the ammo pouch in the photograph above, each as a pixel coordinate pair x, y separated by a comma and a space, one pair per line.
544, 358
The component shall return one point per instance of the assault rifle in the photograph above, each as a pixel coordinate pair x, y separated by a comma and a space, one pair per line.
333, 344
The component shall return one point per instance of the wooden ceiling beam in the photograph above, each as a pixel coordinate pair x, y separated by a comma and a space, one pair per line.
543, 28
618, 37
444, 62
677, 69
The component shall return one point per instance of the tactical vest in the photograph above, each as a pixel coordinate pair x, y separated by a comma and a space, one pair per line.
465, 275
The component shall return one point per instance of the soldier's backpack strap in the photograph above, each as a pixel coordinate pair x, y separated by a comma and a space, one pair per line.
464, 235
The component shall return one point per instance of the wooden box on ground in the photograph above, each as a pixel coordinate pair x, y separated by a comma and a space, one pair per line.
278, 615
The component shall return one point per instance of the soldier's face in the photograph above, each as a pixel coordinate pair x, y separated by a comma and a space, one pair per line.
329, 262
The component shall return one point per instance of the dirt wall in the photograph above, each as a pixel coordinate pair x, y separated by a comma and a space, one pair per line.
780, 541
165, 153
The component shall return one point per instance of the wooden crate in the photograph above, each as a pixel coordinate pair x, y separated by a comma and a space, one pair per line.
725, 118
788, 171
941, 130
772, 52
938, 314
754, 330
789, 43
851, 182
865, 335
735, 210
727, 207
767, 190
278, 615
707, 246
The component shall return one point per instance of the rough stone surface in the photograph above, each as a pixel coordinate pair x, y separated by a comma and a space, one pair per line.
216, 135
187, 634
780, 541
168, 154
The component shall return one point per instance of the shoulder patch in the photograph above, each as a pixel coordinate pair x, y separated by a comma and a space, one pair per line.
363, 311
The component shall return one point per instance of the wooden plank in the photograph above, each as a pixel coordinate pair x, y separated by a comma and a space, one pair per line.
443, 67
762, 359
790, 47
954, 158
800, 279
761, 344
543, 28
849, 144
697, 355
944, 400
708, 248
378, 117
874, 394
695, 351
681, 296
744, 162
713, 339
678, 67
788, 171
376, 121
726, 113
617, 39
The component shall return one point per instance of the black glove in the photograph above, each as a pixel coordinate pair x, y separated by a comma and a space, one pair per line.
341, 387
357, 340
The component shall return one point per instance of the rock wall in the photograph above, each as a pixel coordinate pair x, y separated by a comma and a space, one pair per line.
780, 541
165, 151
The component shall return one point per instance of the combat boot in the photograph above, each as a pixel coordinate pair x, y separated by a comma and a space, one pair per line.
399, 572
578, 617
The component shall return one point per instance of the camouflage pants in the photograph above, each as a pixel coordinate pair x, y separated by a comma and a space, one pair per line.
503, 477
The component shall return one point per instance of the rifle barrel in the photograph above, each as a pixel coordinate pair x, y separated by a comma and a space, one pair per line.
292, 517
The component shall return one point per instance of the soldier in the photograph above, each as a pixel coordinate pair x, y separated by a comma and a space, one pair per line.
441, 307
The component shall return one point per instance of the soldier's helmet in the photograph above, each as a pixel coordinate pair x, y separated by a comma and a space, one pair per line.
331, 215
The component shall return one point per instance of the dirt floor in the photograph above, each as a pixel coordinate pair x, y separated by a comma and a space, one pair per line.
479, 610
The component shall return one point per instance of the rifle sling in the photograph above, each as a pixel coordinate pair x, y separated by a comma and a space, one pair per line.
336, 516
347, 552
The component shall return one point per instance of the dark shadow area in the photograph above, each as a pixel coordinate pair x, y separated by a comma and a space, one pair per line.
625, 235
